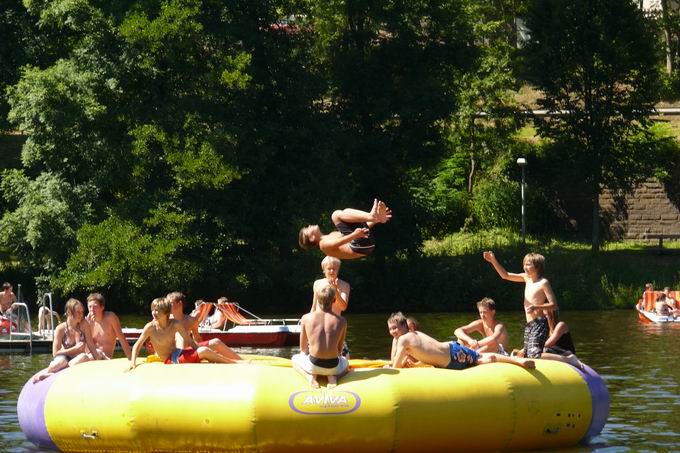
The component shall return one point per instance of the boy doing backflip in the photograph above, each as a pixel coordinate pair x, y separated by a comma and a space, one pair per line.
538, 298
353, 239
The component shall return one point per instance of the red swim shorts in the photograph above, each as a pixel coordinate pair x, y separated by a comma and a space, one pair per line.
186, 355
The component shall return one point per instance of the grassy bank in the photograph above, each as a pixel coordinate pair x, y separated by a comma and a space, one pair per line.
612, 278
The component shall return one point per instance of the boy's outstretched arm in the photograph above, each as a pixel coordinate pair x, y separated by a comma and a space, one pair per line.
505, 275
138, 346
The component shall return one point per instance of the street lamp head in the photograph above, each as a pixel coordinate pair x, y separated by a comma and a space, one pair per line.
521, 161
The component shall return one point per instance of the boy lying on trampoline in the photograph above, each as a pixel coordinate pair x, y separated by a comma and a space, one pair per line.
416, 347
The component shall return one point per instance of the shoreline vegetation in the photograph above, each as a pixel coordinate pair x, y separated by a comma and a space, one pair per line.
180, 146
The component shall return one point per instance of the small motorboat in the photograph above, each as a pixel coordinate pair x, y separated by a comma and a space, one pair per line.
646, 308
239, 330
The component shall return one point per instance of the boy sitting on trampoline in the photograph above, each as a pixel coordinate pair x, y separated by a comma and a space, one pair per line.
161, 331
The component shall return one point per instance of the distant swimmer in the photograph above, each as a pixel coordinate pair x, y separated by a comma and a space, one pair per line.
353, 239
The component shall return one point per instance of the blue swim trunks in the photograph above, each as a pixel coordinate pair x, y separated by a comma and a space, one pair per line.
461, 357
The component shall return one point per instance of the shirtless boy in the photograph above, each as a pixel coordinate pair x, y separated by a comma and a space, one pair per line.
162, 330
416, 346
7, 299
322, 335
105, 326
538, 298
494, 334
353, 239
191, 323
331, 269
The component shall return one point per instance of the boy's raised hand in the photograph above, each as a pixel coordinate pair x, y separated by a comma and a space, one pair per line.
489, 256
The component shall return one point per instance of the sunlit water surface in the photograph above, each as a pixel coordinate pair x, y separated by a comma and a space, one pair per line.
638, 362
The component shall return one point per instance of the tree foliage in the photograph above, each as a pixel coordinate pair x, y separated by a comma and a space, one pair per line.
594, 62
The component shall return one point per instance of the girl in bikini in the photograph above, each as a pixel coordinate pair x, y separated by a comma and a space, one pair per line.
72, 341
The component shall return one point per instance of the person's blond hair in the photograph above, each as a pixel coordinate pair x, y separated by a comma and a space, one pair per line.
399, 319
304, 240
330, 260
162, 305
487, 303
176, 295
325, 295
537, 260
70, 308
97, 297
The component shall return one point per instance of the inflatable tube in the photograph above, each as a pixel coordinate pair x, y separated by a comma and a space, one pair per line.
98, 406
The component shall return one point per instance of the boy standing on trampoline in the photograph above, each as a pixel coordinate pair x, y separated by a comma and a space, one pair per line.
538, 297
353, 239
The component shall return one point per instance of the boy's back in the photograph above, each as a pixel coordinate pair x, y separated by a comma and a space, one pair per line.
325, 333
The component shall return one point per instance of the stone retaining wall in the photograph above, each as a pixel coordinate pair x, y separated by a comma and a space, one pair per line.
647, 210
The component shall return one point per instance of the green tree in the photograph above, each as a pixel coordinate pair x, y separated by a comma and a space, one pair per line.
595, 64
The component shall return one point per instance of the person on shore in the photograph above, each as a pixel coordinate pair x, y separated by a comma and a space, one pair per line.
419, 347
44, 316
162, 332
538, 299
191, 324
353, 238
331, 270
494, 335
7, 300
105, 326
72, 341
322, 336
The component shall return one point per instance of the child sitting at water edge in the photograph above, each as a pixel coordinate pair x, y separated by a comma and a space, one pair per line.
322, 335
425, 349
353, 238
72, 341
161, 331
494, 334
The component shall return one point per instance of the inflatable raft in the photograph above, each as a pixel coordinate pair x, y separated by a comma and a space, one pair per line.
267, 406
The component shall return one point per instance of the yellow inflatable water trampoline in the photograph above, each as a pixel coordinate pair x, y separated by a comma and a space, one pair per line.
267, 406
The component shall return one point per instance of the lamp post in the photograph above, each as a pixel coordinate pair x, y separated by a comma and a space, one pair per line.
522, 162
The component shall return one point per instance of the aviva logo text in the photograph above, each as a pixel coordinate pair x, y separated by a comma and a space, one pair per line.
325, 402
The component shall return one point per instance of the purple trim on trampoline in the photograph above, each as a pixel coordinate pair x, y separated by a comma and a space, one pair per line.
31, 412
600, 401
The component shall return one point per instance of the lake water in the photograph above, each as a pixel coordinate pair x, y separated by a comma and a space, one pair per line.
639, 363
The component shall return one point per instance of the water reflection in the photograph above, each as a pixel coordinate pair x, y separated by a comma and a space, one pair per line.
638, 362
